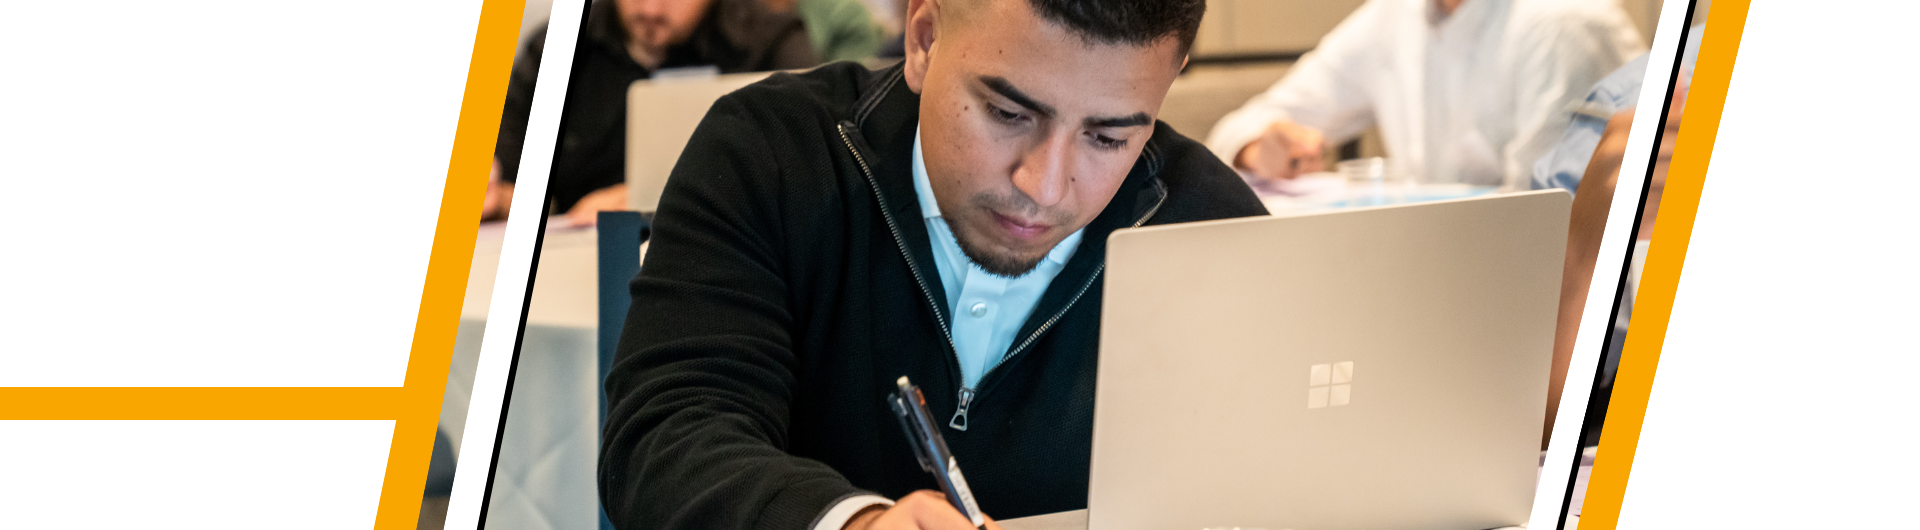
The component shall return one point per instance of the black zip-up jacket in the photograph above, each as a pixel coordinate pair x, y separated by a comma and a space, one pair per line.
791, 281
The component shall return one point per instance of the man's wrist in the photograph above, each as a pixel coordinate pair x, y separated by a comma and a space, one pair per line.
849, 510
865, 517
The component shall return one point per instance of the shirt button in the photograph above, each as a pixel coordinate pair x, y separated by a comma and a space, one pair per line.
978, 310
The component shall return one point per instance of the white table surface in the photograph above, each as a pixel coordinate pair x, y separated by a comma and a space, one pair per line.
1326, 191
544, 477
1077, 519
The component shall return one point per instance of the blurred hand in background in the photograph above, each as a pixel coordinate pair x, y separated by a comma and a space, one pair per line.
587, 211
499, 197
1284, 150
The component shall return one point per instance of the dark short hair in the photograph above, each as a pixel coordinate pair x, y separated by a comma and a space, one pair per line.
1134, 22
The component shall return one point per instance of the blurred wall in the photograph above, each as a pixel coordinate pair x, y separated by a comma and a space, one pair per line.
1261, 27
535, 15
1645, 13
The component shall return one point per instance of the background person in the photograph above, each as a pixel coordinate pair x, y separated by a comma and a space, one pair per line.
1607, 149
841, 30
1619, 91
1469, 91
623, 41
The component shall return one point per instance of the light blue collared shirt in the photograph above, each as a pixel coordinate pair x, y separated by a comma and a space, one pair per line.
987, 309
1563, 167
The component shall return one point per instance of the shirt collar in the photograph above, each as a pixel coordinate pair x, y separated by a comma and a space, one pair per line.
930, 208
923, 186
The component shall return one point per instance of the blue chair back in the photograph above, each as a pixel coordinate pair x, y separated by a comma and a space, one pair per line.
620, 236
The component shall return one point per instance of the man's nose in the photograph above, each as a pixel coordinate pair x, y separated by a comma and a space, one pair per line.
1045, 170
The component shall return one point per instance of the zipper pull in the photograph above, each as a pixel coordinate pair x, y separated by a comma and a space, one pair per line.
960, 416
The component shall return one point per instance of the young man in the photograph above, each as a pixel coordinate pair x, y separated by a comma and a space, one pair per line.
946, 219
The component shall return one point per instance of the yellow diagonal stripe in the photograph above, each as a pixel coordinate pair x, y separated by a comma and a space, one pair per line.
1660, 276
452, 259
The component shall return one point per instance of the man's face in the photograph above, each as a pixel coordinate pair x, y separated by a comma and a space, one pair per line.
656, 24
1027, 129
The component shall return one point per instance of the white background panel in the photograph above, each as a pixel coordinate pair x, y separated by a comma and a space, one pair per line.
1784, 396
192, 474
222, 192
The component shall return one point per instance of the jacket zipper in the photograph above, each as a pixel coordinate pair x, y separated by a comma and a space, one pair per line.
967, 394
886, 212
959, 420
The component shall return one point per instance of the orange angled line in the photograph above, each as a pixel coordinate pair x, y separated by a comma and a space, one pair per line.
415, 406
216, 403
453, 239
1660, 276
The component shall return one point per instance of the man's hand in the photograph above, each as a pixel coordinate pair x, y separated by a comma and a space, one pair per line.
609, 199
1285, 150
499, 197
920, 510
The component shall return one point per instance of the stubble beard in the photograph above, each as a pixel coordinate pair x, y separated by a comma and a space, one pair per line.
1000, 264
996, 264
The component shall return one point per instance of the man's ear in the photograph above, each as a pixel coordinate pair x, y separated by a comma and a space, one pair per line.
923, 25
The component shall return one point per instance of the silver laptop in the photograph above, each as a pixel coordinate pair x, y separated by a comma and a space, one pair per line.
661, 116
1374, 368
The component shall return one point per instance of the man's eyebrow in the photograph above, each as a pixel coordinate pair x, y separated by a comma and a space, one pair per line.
1005, 89
1136, 120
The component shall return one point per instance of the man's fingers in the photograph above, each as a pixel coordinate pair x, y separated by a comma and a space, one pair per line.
1283, 151
583, 214
942, 517
1313, 165
1281, 155
1308, 142
582, 218
1259, 157
1305, 148
940, 514
922, 510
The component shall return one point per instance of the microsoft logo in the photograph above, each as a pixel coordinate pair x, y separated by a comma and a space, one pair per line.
1329, 385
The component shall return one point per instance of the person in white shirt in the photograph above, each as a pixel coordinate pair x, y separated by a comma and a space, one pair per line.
1463, 91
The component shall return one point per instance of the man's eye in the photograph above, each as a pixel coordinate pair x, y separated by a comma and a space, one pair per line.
1105, 142
1003, 115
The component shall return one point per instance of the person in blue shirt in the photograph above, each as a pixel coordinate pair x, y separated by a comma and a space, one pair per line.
1587, 163
1618, 92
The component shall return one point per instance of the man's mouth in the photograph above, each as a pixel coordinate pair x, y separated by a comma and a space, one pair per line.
1019, 229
